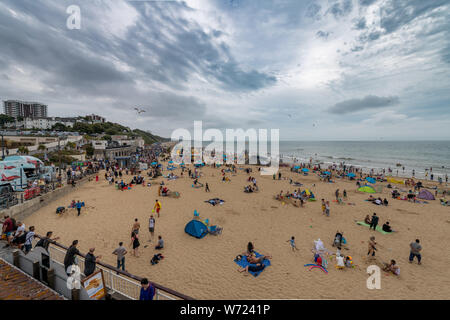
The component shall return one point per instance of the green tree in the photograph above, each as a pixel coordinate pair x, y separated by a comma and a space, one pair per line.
42, 147
59, 127
5, 119
89, 150
23, 150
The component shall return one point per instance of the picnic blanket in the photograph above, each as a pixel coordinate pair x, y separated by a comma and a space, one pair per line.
378, 228
243, 263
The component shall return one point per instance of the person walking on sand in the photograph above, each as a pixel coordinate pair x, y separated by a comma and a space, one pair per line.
327, 208
206, 187
135, 243
345, 194
372, 247
337, 194
415, 251
323, 206
292, 242
78, 206
120, 252
157, 207
136, 226
151, 225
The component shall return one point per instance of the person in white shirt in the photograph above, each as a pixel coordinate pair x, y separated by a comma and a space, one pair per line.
340, 262
29, 239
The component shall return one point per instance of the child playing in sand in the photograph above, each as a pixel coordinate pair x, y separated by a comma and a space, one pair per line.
323, 206
292, 242
392, 267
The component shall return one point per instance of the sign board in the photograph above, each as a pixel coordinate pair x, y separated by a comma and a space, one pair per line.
95, 285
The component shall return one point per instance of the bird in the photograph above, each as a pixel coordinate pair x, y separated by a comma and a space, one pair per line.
139, 111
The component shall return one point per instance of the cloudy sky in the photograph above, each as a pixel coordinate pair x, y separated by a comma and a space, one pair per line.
315, 69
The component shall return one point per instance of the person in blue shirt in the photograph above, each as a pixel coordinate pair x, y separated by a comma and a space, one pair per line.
78, 206
147, 290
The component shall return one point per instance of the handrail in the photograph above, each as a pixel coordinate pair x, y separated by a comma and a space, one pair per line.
129, 275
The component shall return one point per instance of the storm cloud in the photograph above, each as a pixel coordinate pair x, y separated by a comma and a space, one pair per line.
369, 102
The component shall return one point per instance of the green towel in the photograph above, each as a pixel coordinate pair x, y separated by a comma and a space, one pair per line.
378, 228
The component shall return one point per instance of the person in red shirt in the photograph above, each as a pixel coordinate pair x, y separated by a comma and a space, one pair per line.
8, 228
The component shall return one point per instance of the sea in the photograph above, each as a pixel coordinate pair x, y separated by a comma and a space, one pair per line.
421, 156
401, 156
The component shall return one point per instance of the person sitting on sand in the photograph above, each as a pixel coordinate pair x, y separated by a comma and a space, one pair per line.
367, 219
385, 202
387, 227
392, 267
250, 248
338, 239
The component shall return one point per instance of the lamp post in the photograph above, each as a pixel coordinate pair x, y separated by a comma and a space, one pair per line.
3, 148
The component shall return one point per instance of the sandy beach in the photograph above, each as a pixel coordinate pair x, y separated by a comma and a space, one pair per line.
204, 268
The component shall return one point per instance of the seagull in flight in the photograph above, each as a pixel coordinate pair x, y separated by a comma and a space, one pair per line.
139, 111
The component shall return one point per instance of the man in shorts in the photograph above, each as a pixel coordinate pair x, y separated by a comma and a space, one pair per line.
157, 207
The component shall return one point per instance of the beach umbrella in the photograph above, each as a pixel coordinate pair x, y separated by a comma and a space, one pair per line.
351, 175
297, 167
305, 170
367, 189
370, 180
170, 161
327, 172
154, 163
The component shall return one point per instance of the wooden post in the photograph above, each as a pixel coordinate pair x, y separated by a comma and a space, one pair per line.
36, 270
16, 261
51, 278
75, 294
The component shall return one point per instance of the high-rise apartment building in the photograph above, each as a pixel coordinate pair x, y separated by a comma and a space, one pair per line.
25, 109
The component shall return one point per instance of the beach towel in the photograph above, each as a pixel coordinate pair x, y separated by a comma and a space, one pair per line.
378, 228
243, 263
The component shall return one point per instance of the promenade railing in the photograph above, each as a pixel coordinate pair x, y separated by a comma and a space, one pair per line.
116, 280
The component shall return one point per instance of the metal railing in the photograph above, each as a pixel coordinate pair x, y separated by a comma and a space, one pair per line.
116, 280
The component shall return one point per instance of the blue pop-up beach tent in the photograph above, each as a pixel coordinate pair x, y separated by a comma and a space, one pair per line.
370, 180
305, 170
351, 175
196, 229
327, 173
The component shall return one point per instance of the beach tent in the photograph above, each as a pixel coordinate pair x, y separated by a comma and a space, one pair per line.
297, 167
370, 180
305, 170
327, 173
170, 161
425, 194
367, 189
351, 175
196, 229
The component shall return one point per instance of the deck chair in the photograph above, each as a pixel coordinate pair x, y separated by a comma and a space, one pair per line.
215, 230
